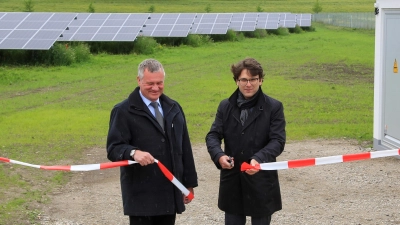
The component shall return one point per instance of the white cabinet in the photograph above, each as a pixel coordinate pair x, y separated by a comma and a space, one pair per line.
387, 75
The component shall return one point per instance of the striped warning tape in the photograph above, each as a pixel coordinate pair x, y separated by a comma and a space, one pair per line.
87, 167
320, 161
175, 181
108, 165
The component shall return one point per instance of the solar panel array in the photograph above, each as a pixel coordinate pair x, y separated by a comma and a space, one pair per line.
32, 30
105, 27
243, 21
268, 21
40, 30
303, 20
211, 23
168, 24
287, 20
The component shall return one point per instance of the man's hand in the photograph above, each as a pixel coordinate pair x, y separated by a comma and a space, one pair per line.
143, 158
253, 162
186, 200
226, 162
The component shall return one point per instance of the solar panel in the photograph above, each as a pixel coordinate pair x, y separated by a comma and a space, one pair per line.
211, 23
168, 25
303, 20
32, 31
243, 21
20, 30
287, 20
105, 27
269, 21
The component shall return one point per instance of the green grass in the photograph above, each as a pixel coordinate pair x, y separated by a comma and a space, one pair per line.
199, 6
50, 115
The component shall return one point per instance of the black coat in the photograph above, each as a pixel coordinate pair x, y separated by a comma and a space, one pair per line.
262, 138
145, 190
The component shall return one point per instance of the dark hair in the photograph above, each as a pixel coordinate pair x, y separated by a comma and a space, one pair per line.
251, 65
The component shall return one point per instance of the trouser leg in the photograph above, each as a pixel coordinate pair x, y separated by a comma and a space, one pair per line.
232, 219
152, 220
261, 220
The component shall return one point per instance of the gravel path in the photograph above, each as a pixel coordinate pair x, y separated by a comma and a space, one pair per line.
360, 192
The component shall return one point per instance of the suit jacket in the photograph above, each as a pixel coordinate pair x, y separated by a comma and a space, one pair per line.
262, 137
145, 190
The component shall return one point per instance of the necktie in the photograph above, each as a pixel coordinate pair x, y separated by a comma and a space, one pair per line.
159, 117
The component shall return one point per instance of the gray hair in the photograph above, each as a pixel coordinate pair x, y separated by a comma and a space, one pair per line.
151, 65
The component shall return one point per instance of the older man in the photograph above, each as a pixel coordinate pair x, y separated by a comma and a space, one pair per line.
146, 126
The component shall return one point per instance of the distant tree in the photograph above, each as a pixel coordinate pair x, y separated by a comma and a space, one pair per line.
91, 8
28, 6
259, 9
152, 9
208, 8
317, 7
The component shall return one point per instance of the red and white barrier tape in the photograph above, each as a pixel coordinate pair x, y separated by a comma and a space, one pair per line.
108, 165
87, 167
175, 181
320, 161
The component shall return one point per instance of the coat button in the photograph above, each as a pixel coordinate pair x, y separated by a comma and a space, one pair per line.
241, 152
162, 140
242, 133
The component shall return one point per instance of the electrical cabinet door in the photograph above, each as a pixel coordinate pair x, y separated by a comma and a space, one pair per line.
391, 81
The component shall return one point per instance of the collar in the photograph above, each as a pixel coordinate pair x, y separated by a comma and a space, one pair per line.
147, 101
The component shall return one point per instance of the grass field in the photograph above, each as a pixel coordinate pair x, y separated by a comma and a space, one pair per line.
199, 6
50, 115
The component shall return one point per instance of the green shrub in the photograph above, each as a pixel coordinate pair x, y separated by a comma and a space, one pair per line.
13, 57
248, 34
206, 39
59, 55
145, 45
91, 8
279, 31
261, 33
170, 41
258, 33
297, 29
308, 29
152, 9
28, 6
196, 40
111, 47
230, 35
317, 8
81, 52
240, 36
208, 8
193, 40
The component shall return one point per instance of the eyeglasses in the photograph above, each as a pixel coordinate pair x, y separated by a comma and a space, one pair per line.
244, 81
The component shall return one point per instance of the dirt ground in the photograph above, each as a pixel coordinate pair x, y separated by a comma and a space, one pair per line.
359, 192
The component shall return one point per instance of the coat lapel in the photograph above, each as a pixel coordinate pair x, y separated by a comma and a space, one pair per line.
253, 115
169, 109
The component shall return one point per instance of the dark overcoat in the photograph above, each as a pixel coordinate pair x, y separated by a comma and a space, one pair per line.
262, 137
145, 190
